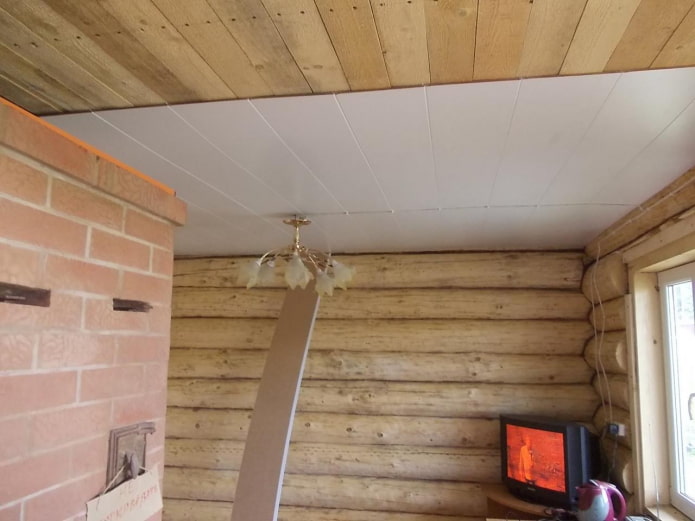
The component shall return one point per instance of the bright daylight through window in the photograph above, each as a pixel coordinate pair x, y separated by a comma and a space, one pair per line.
677, 289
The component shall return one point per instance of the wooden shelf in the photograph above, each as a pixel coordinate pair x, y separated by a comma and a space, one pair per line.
501, 504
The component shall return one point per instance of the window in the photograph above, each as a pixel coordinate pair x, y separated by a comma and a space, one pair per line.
677, 287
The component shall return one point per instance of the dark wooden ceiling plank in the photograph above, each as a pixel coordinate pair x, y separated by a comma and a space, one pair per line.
44, 56
451, 39
500, 36
300, 25
679, 51
26, 99
151, 28
35, 80
116, 41
402, 31
82, 50
204, 31
550, 30
353, 32
252, 28
600, 29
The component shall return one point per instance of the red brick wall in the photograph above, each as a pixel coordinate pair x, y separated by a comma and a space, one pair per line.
89, 230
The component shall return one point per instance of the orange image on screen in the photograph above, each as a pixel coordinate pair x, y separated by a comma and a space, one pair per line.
536, 457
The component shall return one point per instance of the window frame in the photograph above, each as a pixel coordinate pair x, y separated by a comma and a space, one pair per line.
666, 278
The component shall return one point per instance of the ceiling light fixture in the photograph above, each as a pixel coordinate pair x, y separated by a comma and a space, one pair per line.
302, 265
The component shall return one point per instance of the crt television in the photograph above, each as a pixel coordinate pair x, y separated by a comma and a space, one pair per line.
544, 460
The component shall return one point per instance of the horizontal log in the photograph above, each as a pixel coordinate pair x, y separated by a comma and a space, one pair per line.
619, 461
608, 351
191, 510
233, 424
614, 388
669, 202
379, 461
619, 415
609, 316
524, 304
605, 279
421, 367
562, 270
343, 492
576, 402
553, 337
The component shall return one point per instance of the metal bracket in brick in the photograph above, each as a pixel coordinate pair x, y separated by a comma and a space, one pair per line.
138, 306
17, 294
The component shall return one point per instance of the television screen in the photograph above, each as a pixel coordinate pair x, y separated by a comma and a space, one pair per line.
544, 460
536, 457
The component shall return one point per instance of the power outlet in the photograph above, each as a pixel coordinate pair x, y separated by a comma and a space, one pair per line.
616, 429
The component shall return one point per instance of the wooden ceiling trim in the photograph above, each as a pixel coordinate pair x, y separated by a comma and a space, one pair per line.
35, 81
353, 32
500, 36
651, 27
51, 62
203, 30
249, 23
451, 28
679, 51
79, 47
550, 30
600, 29
29, 100
302, 29
150, 27
117, 42
402, 33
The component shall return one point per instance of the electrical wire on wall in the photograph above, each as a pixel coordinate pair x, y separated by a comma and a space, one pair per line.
601, 375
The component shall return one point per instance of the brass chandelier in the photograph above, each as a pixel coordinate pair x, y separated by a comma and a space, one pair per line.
301, 264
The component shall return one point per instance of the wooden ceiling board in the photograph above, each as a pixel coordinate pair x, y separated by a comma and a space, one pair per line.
252, 28
679, 51
652, 25
451, 39
600, 29
302, 29
344, 170
42, 55
469, 128
550, 29
117, 42
391, 128
151, 28
353, 32
500, 35
81, 49
31, 101
35, 81
204, 31
241, 133
403, 35
640, 107
541, 141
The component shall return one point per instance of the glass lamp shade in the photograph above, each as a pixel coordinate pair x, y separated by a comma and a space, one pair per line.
296, 273
248, 274
342, 274
324, 284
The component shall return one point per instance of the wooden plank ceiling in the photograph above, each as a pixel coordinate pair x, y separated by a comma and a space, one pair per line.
59, 56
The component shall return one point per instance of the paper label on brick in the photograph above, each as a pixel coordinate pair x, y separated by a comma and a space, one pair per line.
135, 500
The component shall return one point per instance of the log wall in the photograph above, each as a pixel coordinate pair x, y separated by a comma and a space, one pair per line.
407, 374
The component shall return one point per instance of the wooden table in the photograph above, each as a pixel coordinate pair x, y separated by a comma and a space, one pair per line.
502, 505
